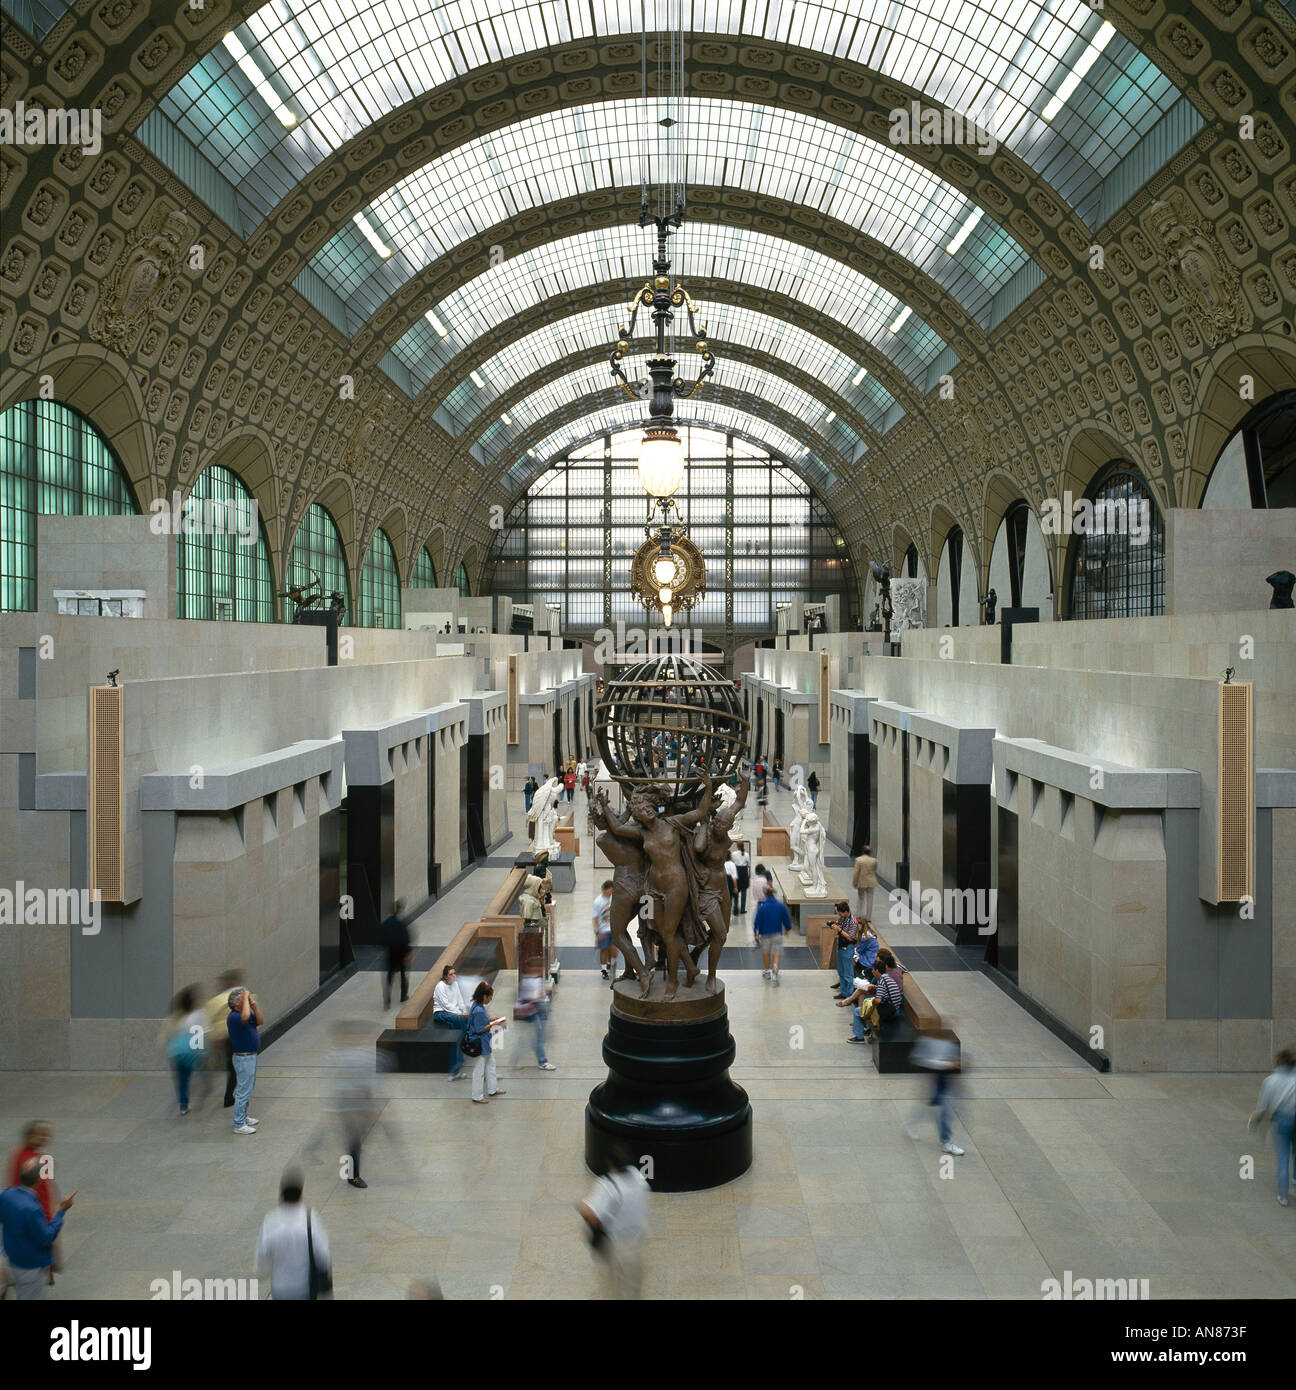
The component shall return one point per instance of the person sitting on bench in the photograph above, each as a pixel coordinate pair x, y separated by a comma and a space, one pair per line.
882, 1002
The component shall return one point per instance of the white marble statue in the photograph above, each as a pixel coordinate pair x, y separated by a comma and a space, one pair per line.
802, 806
544, 816
812, 845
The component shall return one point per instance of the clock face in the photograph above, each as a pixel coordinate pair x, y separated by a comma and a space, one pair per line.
688, 583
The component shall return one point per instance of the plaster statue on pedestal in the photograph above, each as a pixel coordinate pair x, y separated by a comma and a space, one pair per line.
812, 845
802, 806
544, 816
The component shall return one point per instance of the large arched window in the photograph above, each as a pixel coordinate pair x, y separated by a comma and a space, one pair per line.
423, 573
910, 565
1116, 559
956, 596
223, 564
1257, 467
318, 554
1020, 573
461, 580
53, 462
765, 535
379, 596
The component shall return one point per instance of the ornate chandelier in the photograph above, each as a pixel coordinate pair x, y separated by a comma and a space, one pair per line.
667, 574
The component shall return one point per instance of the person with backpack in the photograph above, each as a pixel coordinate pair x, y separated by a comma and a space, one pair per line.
293, 1248
1277, 1105
887, 1000
616, 1213
477, 1044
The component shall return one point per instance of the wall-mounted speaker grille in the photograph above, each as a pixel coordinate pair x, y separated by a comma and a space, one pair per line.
513, 698
106, 819
1235, 827
825, 691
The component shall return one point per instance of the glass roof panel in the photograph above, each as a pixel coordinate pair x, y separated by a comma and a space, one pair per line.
629, 414
571, 389
594, 332
562, 154
703, 253
340, 65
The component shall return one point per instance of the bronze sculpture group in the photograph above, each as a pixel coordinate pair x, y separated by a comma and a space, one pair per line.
668, 871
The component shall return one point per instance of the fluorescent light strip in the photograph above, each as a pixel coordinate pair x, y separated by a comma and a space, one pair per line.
962, 234
1087, 59
506, 419
859, 376
371, 236
234, 46
900, 319
477, 380
830, 417
436, 323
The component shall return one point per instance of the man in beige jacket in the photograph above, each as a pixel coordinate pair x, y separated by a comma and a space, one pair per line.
865, 880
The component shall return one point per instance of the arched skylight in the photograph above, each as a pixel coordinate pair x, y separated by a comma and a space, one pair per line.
703, 254
870, 186
709, 415
333, 67
576, 386
594, 331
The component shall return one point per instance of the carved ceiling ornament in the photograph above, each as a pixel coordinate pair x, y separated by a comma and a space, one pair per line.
358, 447
148, 264
1198, 266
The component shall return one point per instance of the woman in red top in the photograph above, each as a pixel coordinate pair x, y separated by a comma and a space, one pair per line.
36, 1141
569, 781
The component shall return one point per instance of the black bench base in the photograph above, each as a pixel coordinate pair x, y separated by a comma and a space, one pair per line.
893, 1048
428, 1050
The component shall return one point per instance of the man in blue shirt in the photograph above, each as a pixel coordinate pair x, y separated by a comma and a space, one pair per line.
28, 1237
245, 1042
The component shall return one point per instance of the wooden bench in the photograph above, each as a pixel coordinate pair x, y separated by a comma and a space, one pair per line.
565, 833
894, 1040
501, 906
477, 948
774, 842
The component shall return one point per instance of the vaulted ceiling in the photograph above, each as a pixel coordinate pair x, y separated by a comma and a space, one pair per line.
436, 202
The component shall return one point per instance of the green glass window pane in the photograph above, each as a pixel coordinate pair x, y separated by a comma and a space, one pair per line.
423, 575
318, 554
53, 462
379, 596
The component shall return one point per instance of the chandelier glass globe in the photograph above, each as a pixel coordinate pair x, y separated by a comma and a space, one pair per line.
661, 460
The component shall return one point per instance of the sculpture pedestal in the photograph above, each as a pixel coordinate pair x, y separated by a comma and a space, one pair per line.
668, 1095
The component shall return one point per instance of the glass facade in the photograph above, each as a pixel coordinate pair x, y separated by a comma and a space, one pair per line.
53, 462
423, 572
1118, 571
461, 581
751, 516
318, 554
223, 567
379, 596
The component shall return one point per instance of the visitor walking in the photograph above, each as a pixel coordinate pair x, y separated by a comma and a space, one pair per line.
1277, 1105
478, 1040
616, 1213
529, 789
294, 1247
351, 1065
569, 783
743, 866
184, 1035
731, 876
244, 1023
450, 1009
812, 786
940, 1056
864, 879
533, 1007
394, 934
29, 1235
602, 918
36, 1142
778, 774
772, 924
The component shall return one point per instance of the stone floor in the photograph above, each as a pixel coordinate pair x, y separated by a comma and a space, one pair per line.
1106, 1176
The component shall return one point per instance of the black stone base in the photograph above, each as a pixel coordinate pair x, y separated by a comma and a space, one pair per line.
668, 1098
894, 1048
428, 1050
